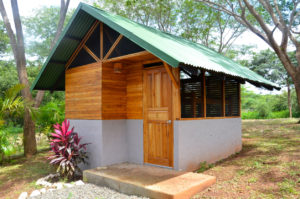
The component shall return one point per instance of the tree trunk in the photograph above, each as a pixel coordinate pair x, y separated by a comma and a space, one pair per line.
30, 147
289, 98
297, 88
29, 135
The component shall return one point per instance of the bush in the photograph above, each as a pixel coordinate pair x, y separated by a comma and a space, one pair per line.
68, 152
49, 114
279, 114
250, 115
8, 144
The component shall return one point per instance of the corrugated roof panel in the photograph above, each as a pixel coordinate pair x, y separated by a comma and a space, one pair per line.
172, 49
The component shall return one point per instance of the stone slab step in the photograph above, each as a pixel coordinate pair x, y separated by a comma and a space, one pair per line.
149, 181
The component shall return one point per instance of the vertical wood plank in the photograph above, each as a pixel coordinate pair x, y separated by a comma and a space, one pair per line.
204, 93
176, 95
240, 104
223, 98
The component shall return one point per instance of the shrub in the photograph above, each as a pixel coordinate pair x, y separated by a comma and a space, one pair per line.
250, 115
48, 114
279, 114
68, 152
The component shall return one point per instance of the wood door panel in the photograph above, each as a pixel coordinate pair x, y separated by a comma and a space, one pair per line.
158, 125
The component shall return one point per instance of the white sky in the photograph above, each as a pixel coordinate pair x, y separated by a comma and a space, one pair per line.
248, 38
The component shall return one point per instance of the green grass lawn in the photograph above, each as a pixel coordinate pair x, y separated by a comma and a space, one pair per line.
267, 167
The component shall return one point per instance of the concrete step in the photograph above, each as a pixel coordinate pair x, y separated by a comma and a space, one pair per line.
149, 181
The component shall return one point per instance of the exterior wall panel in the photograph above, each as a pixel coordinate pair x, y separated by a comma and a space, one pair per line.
83, 92
209, 140
111, 141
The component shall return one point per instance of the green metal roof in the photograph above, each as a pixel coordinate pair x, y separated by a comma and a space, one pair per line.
171, 49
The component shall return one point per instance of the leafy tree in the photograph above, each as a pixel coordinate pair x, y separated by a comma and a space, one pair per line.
41, 27
201, 23
160, 14
18, 49
4, 40
186, 18
263, 18
267, 64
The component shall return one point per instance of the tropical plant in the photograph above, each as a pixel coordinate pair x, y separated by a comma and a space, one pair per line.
12, 104
68, 152
49, 114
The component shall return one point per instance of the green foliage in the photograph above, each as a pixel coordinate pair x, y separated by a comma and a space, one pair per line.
51, 113
204, 166
4, 40
10, 105
41, 27
267, 64
256, 106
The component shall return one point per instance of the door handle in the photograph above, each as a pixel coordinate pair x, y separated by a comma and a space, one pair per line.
169, 121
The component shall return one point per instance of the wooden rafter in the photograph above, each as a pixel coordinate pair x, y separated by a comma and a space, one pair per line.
81, 44
167, 67
101, 40
133, 55
110, 39
91, 53
113, 47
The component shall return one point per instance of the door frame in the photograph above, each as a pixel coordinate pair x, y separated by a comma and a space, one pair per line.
170, 117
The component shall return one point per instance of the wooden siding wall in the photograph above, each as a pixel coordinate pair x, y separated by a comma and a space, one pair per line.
113, 92
83, 92
135, 91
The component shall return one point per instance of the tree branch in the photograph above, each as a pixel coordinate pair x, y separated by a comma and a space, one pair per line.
10, 32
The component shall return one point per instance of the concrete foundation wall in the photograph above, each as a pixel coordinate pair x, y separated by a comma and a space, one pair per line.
112, 141
135, 141
196, 141
91, 132
115, 146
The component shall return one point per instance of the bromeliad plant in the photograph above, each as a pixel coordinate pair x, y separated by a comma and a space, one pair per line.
68, 152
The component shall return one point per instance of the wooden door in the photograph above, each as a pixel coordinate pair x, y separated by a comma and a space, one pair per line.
158, 124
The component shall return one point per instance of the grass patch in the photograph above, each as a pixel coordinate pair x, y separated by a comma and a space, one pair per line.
20, 175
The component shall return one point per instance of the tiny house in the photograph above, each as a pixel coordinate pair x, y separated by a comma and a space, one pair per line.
143, 96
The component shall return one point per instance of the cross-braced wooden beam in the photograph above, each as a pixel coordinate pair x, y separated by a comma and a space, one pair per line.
91, 53
81, 44
113, 46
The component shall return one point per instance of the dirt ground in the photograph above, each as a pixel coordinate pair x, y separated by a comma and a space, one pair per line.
267, 167
20, 175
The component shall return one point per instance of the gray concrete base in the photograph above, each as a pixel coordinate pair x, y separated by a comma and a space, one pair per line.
111, 141
210, 140
195, 141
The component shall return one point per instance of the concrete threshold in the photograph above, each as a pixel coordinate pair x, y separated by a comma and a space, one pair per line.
149, 181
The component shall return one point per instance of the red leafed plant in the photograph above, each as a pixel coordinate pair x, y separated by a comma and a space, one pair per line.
68, 152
